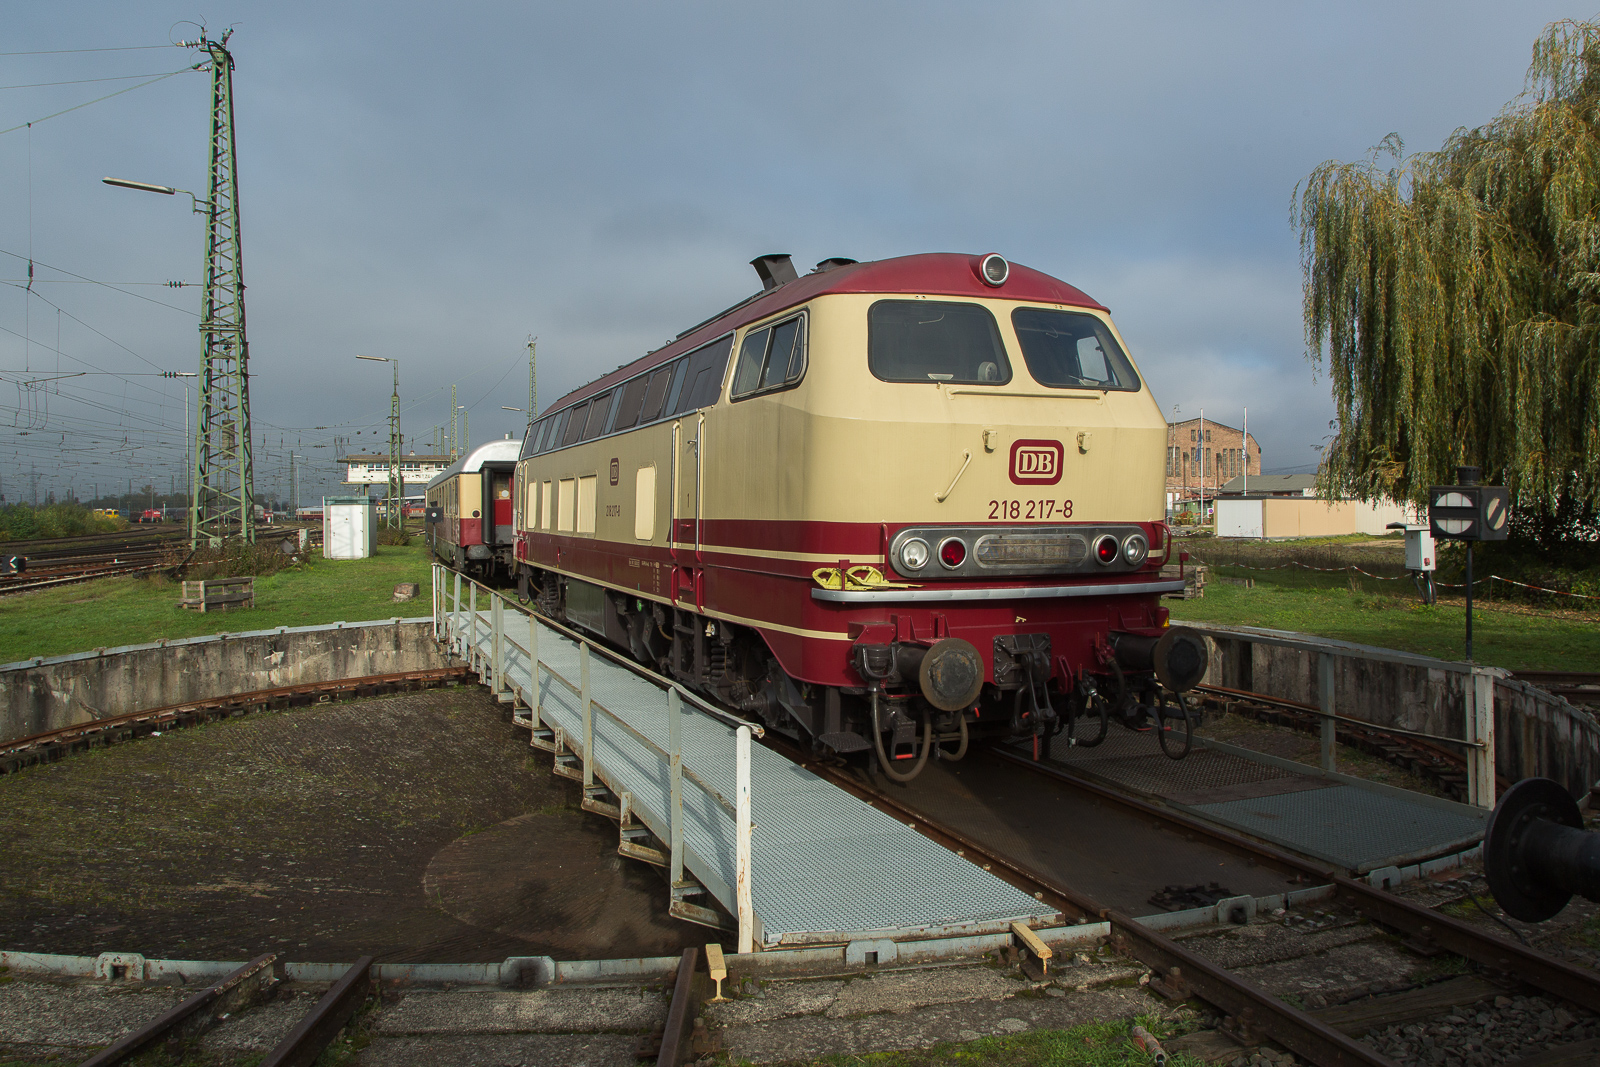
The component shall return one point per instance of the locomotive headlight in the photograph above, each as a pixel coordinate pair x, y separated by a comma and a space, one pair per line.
914, 554
952, 552
994, 269
1106, 549
1135, 548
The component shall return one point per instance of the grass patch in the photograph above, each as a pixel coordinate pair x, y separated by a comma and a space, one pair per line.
132, 610
1090, 1045
1388, 614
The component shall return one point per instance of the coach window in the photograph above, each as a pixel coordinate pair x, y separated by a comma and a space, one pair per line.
935, 341
1071, 349
771, 358
707, 366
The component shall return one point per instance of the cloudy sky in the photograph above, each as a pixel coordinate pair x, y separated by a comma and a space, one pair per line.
439, 182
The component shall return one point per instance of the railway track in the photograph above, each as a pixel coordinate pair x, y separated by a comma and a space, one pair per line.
1179, 972
65, 561
255, 982
1579, 687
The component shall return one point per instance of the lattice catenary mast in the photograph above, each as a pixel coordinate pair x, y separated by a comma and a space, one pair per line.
222, 500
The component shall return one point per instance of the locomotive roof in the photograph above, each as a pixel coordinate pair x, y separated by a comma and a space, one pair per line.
931, 273
472, 462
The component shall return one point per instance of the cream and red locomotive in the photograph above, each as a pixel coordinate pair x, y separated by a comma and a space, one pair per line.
884, 506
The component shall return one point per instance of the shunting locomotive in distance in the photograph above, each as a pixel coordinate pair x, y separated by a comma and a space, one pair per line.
885, 508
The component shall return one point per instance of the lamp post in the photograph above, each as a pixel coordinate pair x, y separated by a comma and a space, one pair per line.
397, 489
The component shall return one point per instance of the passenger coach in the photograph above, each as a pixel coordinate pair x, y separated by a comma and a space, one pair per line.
882, 507
469, 510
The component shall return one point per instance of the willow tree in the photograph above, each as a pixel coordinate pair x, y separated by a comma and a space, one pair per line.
1456, 298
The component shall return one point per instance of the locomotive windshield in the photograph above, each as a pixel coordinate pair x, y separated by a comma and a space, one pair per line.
935, 341
1068, 349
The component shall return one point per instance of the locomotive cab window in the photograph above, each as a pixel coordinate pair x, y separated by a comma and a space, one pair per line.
1071, 350
771, 358
935, 341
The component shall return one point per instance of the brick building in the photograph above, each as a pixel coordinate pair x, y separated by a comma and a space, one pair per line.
1205, 455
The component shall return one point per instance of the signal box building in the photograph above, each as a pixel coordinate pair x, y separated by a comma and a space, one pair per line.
1203, 456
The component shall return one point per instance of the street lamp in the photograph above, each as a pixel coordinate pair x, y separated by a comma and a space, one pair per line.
200, 206
397, 487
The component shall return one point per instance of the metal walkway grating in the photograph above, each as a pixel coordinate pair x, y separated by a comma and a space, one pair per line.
825, 866
1342, 821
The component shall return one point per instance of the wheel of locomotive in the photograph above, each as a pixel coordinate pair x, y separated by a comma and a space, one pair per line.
1163, 732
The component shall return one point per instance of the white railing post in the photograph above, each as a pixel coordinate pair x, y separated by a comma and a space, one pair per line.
472, 627
588, 716
433, 598
1325, 676
534, 702
497, 650
675, 780
1479, 700
455, 614
742, 847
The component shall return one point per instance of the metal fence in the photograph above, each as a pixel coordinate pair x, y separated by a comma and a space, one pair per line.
660, 761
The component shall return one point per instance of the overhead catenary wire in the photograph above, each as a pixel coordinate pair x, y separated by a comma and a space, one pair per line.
57, 114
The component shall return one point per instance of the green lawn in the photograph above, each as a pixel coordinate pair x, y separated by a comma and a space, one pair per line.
130, 611
1389, 614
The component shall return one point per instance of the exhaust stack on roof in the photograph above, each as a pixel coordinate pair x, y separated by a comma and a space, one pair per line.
774, 270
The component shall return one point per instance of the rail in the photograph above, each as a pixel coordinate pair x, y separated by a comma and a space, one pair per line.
457, 622
254, 981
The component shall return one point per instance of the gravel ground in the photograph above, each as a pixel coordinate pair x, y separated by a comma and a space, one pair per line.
1507, 1030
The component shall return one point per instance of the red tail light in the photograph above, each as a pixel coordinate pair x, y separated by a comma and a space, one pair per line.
1106, 549
953, 553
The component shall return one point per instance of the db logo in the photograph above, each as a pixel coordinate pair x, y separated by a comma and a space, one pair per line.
615, 471
1036, 462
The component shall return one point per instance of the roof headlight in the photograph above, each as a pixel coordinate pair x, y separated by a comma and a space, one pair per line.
914, 554
1135, 548
952, 552
994, 269
1106, 550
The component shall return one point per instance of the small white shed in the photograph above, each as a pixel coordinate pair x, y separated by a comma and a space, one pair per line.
349, 527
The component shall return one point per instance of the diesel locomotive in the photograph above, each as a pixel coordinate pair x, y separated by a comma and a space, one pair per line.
884, 507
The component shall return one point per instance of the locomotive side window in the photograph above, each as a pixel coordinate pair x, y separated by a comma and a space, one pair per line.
656, 394
575, 422
546, 512
1068, 349
644, 504
707, 365
566, 499
773, 357
935, 341
631, 403
599, 408
587, 486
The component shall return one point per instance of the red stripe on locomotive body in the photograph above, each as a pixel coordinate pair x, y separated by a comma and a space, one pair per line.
773, 595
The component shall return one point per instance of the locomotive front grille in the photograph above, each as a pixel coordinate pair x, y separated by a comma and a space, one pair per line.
1031, 550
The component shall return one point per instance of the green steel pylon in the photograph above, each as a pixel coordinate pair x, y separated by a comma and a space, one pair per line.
222, 501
